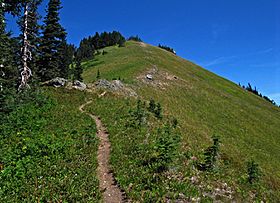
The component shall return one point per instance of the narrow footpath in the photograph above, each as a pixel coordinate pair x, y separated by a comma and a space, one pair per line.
110, 191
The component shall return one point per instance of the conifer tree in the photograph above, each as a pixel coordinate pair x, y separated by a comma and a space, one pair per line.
86, 49
51, 62
4, 39
91, 45
121, 42
158, 111
5, 51
135, 38
8, 70
152, 106
67, 58
96, 40
78, 71
27, 12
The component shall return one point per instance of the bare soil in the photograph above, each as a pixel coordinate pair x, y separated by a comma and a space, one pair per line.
110, 190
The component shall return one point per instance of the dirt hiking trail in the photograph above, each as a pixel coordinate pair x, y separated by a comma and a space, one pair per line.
110, 190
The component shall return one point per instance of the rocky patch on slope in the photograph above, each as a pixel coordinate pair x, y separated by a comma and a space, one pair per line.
156, 78
115, 86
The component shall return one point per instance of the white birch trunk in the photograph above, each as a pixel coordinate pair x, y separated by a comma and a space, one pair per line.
26, 54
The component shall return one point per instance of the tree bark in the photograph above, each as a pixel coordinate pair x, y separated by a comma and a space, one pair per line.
26, 54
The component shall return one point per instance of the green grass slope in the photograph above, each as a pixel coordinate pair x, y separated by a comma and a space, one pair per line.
204, 104
48, 150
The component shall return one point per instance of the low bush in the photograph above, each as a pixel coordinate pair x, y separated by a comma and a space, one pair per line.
210, 155
253, 172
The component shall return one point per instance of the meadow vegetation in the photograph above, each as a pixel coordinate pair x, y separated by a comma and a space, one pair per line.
151, 164
48, 149
204, 105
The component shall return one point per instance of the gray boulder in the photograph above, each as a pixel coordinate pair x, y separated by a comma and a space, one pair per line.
115, 85
103, 84
56, 82
79, 85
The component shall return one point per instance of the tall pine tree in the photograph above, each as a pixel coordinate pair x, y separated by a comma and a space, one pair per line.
78, 70
68, 55
8, 71
51, 63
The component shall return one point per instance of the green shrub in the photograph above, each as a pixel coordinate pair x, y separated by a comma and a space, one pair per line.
158, 111
98, 74
210, 155
165, 148
174, 122
152, 106
138, 116
253, 172
155, 109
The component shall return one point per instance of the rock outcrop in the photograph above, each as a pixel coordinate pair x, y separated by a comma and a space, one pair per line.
62, 82
115, 86
56, 82
79, 85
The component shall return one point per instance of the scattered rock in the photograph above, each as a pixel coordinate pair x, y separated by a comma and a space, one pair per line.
79, 85
56, 82
157, 78
149, 77
62, 82
115, 86
102, 94
195, 199
103, 84
182, 196
194, 180
220, 194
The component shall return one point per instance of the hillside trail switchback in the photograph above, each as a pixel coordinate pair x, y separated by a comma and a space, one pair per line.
110, 191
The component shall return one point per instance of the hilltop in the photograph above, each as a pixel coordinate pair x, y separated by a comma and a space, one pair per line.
204, 104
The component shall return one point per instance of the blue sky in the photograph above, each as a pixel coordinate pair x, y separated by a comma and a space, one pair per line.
237, 39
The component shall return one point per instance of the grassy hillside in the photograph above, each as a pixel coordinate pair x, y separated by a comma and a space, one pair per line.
204, 104
48, 150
